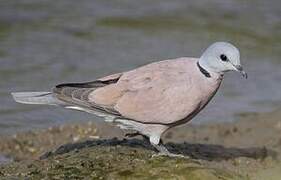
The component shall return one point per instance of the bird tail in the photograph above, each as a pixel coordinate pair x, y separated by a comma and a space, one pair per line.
36, 98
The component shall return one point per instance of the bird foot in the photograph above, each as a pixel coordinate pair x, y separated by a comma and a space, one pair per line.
170, 155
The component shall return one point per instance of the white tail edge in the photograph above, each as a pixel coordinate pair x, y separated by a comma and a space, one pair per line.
35, 98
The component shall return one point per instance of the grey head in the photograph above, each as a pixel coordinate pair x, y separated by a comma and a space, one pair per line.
221, 57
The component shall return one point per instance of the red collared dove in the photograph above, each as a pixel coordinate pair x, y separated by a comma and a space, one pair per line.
150, 99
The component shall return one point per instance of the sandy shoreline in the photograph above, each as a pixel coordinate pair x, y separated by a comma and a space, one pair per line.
250, 146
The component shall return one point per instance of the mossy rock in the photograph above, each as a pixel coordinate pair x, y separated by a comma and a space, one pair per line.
109, 161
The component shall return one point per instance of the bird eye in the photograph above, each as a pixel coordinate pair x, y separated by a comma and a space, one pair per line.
223, 57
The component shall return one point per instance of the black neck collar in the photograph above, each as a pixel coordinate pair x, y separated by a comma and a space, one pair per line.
203, 71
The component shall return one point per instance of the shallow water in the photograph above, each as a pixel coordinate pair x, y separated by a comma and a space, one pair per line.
45, 42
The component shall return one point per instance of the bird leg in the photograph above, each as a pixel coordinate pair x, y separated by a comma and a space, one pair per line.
163, 151
130, 135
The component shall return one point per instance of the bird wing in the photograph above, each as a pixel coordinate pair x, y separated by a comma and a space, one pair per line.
77, 94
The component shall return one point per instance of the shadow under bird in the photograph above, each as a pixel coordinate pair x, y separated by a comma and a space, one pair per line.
150, 99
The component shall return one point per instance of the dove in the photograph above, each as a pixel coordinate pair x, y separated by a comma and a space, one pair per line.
152, 98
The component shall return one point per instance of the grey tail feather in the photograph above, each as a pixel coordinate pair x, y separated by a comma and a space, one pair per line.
36, 98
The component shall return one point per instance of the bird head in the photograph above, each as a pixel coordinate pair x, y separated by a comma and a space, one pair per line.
221, 57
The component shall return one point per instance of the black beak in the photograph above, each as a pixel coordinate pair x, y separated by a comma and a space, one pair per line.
240, 69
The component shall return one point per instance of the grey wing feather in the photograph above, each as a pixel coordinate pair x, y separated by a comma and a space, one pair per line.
76, 94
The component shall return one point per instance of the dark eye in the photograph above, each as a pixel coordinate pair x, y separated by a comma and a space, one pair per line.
223, 57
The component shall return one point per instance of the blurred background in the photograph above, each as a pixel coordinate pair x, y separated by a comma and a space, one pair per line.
47, 42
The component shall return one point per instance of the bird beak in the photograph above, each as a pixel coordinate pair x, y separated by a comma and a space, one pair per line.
239, 68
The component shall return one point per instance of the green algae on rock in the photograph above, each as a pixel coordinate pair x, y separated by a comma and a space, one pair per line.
113, 162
